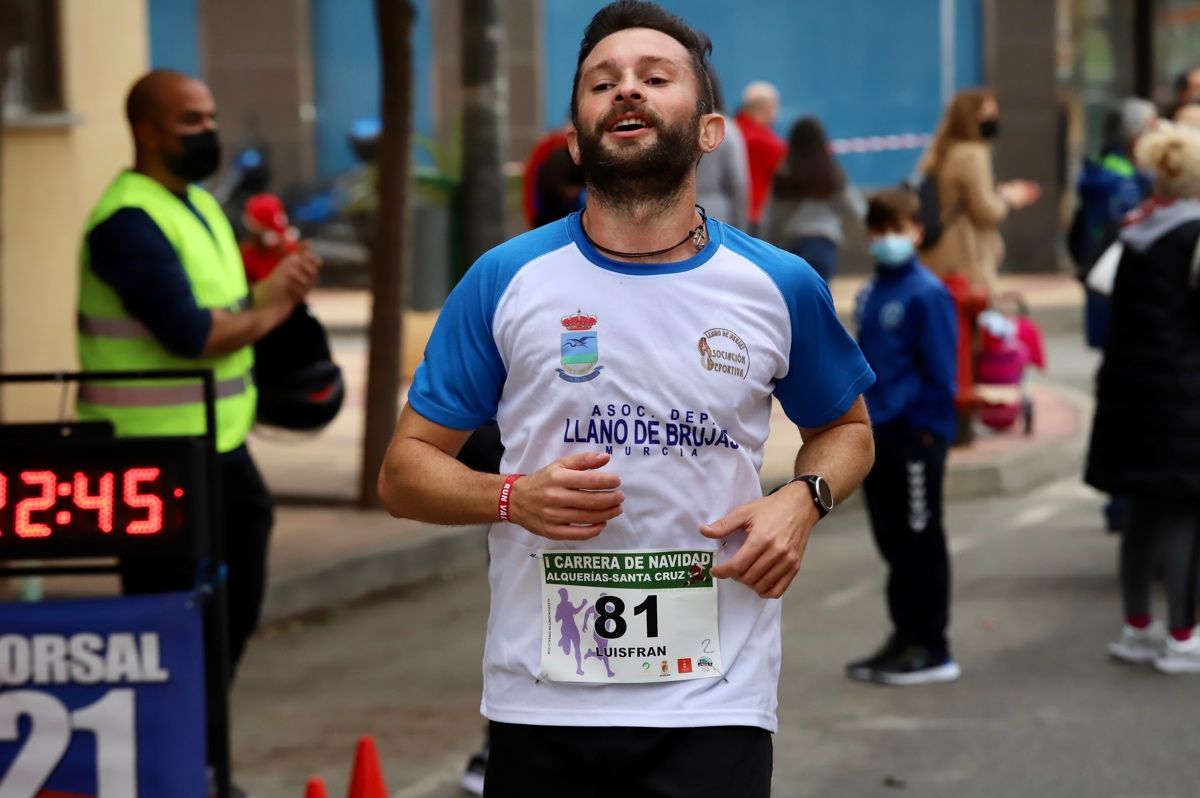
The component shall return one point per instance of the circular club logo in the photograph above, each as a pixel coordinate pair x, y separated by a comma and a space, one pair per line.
724, 352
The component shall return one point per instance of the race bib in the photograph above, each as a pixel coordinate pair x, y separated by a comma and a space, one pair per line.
629, 616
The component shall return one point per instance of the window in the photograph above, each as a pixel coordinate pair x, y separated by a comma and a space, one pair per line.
33, 82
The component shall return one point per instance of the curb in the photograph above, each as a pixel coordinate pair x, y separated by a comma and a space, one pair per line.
1022, 470
419, 556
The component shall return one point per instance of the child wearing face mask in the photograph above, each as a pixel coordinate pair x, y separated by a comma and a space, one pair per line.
908, 331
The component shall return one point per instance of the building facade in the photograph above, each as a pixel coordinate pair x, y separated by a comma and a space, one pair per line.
65, 138
298, 73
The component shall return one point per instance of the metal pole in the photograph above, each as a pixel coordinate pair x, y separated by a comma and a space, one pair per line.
946, 25
217, 647
1143, 49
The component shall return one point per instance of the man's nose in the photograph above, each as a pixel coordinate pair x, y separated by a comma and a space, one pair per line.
628, 88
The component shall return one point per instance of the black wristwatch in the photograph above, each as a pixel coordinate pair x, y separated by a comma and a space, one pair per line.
822, 496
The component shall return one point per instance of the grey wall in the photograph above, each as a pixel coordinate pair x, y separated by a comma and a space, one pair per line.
257, 60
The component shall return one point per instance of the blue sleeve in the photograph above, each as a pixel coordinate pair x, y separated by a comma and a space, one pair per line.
937, 339
130, 253
458, 384
827, 370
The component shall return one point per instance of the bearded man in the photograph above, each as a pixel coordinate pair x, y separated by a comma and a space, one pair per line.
630, 476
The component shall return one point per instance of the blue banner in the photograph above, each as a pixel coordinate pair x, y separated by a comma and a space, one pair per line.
102, 698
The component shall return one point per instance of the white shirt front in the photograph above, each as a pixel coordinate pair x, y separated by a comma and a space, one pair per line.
670, 368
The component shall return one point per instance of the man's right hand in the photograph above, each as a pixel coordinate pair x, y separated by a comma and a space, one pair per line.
568, 499
292, 279
275, 298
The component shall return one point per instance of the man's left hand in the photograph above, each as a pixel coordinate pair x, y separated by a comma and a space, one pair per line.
777, 529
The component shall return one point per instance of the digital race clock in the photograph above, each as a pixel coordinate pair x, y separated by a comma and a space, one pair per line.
116, 497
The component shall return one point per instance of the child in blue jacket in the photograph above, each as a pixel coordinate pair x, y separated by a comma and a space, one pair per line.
908, 330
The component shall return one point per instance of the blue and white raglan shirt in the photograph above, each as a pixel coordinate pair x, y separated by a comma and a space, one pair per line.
671, 369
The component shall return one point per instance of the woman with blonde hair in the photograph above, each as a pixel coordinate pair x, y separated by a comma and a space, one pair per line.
972, 205
1146, 434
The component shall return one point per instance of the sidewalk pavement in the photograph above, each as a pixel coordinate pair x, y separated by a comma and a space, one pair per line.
325, 552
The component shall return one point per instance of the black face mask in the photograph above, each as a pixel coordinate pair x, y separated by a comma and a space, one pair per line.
199, 156
989, 128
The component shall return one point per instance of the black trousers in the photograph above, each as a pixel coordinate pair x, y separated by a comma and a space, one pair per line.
904, 500
601, 762
245, 516
1161, 535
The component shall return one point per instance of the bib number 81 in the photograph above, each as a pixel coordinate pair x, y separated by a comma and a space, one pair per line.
111, 720
610, 624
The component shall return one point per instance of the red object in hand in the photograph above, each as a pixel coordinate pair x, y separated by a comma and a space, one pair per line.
272, 239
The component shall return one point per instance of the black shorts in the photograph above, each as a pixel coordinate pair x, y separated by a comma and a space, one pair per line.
607, 761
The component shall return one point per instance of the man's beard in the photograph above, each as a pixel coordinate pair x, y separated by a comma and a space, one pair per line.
633, 175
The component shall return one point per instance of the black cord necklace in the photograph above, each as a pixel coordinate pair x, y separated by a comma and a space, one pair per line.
698, 235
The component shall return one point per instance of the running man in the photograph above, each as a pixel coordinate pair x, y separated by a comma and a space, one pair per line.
625, 469
565, 614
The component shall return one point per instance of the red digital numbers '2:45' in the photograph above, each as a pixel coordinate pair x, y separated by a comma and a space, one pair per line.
79, 489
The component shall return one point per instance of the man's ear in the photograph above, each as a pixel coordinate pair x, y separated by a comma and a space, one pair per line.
712, 132
573, 144
145, 136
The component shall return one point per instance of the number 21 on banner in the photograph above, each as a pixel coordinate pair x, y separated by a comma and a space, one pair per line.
111, 720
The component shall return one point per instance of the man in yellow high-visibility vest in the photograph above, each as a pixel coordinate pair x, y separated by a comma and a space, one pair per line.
162, 286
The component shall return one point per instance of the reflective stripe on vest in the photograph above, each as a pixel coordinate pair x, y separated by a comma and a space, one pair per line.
157, 395
126, 329
131, 329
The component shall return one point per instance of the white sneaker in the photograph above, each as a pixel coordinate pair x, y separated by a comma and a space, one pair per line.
1138, 645
1180, 656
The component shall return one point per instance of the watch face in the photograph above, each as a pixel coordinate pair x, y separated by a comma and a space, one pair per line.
824, 494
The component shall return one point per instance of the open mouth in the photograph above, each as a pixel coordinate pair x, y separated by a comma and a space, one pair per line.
629, 124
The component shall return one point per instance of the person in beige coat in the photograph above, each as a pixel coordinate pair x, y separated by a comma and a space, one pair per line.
972, 204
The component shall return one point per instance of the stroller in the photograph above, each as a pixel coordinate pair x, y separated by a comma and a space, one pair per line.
1009, 342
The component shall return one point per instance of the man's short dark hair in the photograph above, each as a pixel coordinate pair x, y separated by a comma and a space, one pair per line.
891, 209
625, 14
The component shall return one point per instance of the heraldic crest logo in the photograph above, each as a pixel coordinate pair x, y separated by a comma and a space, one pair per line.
580, 351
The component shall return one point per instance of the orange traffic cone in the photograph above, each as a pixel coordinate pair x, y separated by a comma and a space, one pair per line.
367, 779
315, 788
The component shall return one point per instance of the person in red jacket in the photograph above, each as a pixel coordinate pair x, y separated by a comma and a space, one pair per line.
551, 184
969, 302
764, 147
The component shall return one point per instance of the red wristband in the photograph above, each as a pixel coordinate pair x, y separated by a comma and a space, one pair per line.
506, 493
